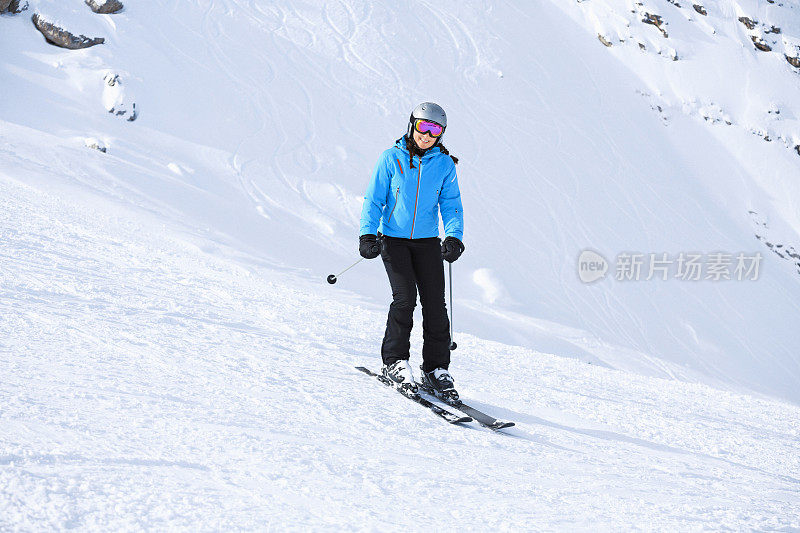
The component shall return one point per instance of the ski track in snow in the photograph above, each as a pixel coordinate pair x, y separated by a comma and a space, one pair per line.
149, 385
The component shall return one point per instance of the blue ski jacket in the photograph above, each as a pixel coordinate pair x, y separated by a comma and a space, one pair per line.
405, 202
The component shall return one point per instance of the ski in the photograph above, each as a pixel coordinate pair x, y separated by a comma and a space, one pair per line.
479, 416
451, 417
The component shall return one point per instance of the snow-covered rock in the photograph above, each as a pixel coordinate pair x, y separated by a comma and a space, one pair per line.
95, 144
61, 37
115, 99
105, 7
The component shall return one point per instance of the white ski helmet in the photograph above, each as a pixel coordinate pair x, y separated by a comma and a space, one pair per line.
428, 111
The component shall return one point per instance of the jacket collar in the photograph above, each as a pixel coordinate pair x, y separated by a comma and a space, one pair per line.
430, 152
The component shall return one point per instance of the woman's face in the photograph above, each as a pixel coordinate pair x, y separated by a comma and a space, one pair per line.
423, 140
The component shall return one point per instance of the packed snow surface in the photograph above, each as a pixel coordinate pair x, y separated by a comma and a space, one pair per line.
149, 384
173, 358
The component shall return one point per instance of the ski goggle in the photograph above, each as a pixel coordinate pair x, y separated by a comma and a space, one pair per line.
426, 126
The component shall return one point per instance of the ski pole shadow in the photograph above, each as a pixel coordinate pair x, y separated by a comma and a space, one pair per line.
519, 433
516, 416
595, 433
514, 431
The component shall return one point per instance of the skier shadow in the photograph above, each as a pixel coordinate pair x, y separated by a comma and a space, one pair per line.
508, 414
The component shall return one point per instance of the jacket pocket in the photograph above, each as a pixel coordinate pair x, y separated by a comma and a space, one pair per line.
396, 199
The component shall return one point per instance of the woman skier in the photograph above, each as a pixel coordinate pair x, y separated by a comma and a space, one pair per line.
411, 183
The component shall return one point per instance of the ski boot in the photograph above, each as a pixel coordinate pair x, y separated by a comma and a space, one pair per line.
399, 374
439, 382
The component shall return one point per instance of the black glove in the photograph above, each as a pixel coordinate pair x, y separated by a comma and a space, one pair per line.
452, 249
368, 246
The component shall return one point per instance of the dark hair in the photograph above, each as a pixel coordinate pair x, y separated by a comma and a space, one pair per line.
413, 150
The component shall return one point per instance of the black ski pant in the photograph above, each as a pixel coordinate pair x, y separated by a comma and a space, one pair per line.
416, 264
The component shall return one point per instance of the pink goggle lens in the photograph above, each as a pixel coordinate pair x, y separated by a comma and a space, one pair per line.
425, 126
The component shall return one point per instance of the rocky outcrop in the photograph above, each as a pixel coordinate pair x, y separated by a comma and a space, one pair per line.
786, 252
749, 23
656, 21
603, 40
700, 9
61, 37
760, 43
12, 6
105, 7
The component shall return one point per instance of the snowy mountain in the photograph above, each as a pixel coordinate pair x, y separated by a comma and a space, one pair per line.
175, 359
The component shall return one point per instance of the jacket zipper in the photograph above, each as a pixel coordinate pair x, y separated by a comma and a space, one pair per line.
396, 199
414, 218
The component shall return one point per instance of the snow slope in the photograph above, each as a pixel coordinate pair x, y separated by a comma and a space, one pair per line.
176, 359
258, 125
149, 384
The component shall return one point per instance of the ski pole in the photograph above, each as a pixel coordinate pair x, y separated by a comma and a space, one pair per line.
332, 277
453, 345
